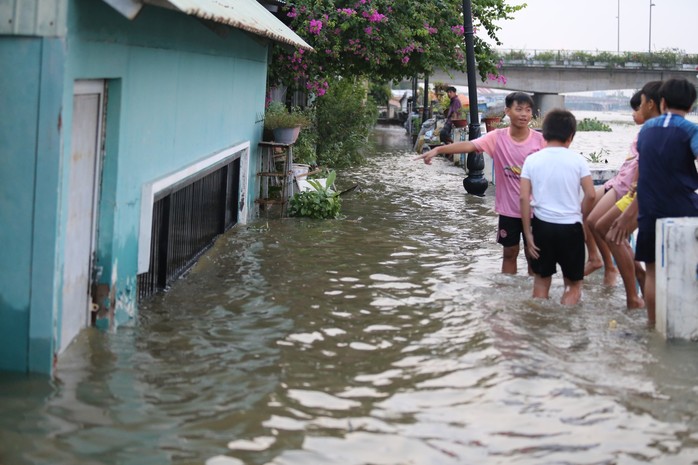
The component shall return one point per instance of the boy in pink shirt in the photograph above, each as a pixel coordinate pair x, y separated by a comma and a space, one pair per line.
508, 148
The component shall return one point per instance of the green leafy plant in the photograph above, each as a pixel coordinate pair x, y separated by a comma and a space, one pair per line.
514, 55
345, 119
581, 56
494, 112
416, 125
276, 117
305, 148
462, 112
322, 202
592, 124
442, 104
547, 56
597, 157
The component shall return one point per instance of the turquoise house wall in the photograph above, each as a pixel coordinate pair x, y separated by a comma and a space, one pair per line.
178, 92
31, 86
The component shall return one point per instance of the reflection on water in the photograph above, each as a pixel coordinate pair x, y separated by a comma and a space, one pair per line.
387, 337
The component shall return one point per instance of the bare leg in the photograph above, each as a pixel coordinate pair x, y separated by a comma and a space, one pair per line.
606, 203
639, 272
650, 288
528, 261
541, 286
572, 293
624, 257
509, 257
594, 261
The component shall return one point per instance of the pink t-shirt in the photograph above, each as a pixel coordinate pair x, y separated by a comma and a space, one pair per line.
626, 174
508, 156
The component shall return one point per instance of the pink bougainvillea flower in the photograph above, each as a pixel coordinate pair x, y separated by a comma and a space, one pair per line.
315, 26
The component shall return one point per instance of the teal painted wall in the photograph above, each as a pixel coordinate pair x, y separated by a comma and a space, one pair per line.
178, 92
31, 86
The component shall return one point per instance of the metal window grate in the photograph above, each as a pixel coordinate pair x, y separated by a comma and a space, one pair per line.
186, 220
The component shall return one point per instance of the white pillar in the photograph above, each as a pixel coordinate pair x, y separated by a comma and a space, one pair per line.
677, 278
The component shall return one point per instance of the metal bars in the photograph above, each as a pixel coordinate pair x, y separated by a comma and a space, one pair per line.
186, 221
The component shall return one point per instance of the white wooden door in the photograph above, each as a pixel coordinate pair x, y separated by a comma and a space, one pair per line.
83, 190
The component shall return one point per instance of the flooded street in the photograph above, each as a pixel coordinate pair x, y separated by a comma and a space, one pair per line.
387, 337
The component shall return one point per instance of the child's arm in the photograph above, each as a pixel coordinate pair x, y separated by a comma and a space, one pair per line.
525, 202
623, 226
457, 147
589, 195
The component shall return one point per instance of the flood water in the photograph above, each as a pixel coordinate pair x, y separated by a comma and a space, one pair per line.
387, 337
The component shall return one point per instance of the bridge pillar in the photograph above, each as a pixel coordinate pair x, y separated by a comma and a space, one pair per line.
543, 103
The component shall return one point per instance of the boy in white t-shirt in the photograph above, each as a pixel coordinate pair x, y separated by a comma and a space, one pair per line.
550, 183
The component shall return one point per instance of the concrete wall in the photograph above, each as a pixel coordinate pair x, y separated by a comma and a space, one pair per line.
177, 92
676, 270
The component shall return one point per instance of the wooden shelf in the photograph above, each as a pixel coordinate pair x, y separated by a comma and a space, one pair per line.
271, 154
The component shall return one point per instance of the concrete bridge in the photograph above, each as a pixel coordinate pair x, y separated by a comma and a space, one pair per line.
546, 80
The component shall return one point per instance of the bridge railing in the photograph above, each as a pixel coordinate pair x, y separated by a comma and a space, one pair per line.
665, 59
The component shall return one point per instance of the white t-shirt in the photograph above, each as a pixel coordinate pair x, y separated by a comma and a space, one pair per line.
555, 174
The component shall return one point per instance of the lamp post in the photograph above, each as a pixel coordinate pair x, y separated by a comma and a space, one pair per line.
649, 48
475, 183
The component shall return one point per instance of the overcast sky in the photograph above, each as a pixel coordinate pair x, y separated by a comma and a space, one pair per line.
593, 25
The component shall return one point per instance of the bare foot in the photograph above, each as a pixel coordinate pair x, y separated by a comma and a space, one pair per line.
591, 266
635, 303
610, 276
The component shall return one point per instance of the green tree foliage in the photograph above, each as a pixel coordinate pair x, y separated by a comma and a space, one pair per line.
383, 39
381, 93
344, 120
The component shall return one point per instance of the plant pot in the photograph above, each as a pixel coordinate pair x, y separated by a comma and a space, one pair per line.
286, 135
459, 123
491, 122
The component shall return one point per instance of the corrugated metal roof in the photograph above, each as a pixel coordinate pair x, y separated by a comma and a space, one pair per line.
247, 15
33, 17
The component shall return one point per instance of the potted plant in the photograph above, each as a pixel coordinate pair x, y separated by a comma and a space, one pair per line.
285, 124
461, 118
320, 202
491, 118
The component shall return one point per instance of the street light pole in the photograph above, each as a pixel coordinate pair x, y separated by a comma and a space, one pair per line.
649, 48
475, 183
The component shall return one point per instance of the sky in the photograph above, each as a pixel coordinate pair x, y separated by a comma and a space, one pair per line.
593, 25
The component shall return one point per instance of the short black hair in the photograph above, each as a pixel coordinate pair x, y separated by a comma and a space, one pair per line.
559, 125
651, 92
636, 100
518, 97
451, 89
678, 94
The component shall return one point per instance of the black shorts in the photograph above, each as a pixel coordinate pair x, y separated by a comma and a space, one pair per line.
509, 231
559, 243
645, 245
